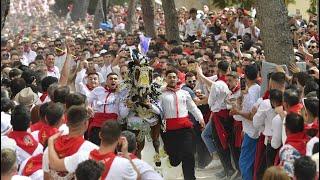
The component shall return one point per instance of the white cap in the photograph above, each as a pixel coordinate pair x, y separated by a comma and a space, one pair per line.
103, 51
139, 8
96, 55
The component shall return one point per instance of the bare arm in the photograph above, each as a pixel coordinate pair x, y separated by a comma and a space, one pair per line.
54, 161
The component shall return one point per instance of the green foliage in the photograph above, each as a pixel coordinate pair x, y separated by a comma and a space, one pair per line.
313, 7
247, 4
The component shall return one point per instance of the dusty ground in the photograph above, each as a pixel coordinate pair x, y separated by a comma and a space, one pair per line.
174, 173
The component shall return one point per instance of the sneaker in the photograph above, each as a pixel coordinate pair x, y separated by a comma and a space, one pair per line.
213, 164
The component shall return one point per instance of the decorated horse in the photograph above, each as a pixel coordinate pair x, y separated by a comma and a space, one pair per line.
141, 96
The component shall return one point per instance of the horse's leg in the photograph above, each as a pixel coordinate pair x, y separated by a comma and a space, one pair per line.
140, 144
155, 133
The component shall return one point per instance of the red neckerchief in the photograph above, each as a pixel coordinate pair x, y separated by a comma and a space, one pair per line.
109, 90
50, 69
175, 89
45, 132
67, 146
37, 126
33, 164
106, 159
237, 88
24, 140
298, 141
89, 87
296, 108
43, 96
222, 78
313, 125
266, 95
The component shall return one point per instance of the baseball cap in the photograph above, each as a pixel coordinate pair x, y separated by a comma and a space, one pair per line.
103, 51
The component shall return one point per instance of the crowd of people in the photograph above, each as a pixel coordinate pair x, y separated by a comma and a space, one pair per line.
65, 115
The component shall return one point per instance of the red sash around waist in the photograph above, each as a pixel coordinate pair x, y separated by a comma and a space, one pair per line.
237, 127
100, 118
222, 133
178, 123
259, 156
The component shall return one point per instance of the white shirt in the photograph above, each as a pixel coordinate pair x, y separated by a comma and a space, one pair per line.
18, 177
263, 118
218, 94
248, 102
105, 102
54, 73
81, 80
29, 57
23, 155
310, 145
185, 104
192, 26
9, 143
121, 168
276, 129
248, 30
38, 175
39, 102
146, 171
87, 146
59, 61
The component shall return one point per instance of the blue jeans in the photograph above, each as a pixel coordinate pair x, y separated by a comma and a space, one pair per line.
247, 155
208, 138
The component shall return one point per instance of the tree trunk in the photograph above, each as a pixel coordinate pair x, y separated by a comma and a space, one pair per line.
5, 6
98, 15
148, 17
79, 10
275, 33
171, 19
131, 16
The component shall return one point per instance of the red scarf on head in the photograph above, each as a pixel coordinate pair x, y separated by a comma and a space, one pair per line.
89, 87
266, 95
298, 141
106, 159
37, 126
45, 132
296, 108
43, 96
67, 146
24, 140
33, 165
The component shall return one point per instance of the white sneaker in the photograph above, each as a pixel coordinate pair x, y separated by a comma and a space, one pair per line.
213, 164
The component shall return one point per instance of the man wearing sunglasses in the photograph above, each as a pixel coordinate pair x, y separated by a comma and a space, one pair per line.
60, 55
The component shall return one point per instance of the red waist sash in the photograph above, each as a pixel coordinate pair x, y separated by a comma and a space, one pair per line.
100, 118
237, 126
178, 123
222, 133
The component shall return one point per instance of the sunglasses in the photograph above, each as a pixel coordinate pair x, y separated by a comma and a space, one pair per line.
89, 44
58, 45
310, 25
194, 81
312, 47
